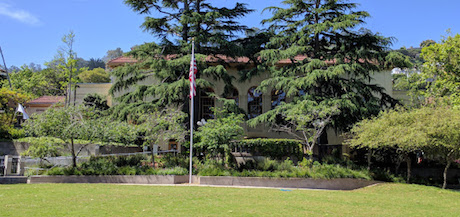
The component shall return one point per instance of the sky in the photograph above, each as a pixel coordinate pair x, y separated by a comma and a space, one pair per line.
31, 30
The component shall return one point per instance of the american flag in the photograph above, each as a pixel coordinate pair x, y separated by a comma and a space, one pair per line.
192, 75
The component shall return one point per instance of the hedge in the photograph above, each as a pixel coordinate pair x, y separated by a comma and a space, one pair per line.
273, 148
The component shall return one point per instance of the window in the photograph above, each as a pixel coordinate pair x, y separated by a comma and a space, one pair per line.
233, 94
278, 96
206, 103
254, 102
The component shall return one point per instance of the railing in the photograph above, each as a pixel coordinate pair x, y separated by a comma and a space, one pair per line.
30, 163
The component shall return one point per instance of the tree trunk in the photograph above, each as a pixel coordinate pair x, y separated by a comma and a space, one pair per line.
74, 157
408, 162
369, 157
398, 164
444, 185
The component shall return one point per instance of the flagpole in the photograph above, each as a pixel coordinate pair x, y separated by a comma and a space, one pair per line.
191, 121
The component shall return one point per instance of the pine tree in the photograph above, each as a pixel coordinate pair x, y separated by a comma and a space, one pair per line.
329, 65
213, 30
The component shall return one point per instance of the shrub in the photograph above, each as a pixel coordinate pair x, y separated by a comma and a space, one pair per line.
273, 148
171, 160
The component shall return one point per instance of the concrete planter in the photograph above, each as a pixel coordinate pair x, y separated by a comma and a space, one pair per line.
329, 184
13, 180
138, 179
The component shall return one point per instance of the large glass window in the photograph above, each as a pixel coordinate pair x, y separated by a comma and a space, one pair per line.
254, 102
206, 103
278, 96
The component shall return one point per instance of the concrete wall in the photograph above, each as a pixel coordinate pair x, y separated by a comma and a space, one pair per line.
329, 184
139, 179
13, 148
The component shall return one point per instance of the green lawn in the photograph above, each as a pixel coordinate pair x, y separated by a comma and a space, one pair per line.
129, 200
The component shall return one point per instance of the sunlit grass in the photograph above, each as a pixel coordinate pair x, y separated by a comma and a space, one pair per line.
130, 200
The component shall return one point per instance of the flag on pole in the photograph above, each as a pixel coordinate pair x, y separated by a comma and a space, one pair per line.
23, 111
192, 75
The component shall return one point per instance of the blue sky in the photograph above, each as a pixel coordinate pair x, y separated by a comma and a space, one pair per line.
31, 30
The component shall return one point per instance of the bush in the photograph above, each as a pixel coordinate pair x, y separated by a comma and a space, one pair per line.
273, 148
117, 165
282, 169
171, 160
10, 132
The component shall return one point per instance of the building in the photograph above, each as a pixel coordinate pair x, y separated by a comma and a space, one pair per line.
254, 103
42, 103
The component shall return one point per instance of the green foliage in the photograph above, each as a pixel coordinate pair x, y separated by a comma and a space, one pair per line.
441, 71
284, 169
217, 134
427, 43
273, 148
42, 151
72, 123
172, 160
117, 165
174, 23
162, 125
435, 130
304, 119
9, 100
31, 82
329, 68
97, 75
96, 101
413, 54
112, 54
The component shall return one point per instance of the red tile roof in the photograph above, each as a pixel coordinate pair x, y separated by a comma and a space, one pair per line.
123, 60
210, 59
47, 100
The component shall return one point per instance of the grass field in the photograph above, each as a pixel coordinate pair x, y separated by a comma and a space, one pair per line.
130, 200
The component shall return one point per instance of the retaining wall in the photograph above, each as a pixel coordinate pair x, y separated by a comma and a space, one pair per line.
138, 179
330, 184
13, 180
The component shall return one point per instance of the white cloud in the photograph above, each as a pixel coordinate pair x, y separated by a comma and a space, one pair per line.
17, 14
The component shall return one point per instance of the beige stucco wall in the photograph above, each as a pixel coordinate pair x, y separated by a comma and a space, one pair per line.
34, 109
383, 79
91, 88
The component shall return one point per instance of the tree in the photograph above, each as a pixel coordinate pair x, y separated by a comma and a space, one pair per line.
304, 119
112, 54
443, 130
95, 63
441, 71
435, 130
217, 134
97, 75
9, 100
160, 126
427, 43
29, 81
329, 63
78, 122
395, 129
66, 61
167, 62
95, 101
67, 124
